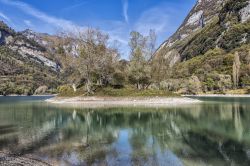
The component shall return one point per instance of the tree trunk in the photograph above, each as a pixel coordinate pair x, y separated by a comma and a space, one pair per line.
236, 70
74, 87
88, 86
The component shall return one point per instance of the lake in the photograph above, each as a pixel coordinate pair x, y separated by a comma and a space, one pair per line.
214, 132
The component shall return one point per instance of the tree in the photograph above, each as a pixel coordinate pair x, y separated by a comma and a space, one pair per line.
96, 61
236, 69
248, 57
139, 68
64, 47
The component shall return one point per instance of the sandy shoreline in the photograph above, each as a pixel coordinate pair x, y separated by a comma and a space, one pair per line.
122, 101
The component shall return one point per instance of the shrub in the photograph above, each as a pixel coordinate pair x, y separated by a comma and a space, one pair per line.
65, 90
248, 90
234, 35
68, 91
194, 85
118, 80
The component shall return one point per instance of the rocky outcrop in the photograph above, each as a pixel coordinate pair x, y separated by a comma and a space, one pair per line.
35, 55
25, 64
245, 13
52, 42
26, 47
202, 13
172, 57
41, 90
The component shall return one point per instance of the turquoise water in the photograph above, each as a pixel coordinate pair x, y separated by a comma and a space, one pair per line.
215, 132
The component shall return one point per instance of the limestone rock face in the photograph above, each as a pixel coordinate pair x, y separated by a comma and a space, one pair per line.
201, 14
41, 90
204, 9
25, 47
33, 54
245, 13
172, 57
50, 42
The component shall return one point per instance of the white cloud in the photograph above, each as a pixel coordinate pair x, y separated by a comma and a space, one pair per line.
54, 21
118, 31
159, 18
156, 18
6, 18
125, 11
74, 6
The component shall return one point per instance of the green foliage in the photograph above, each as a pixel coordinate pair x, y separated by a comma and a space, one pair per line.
209, 83
65, 89
248, 90
118, 80
202, 42
68, 91
245, 80
224, 31
213, 60
23, 75
235, 36
12, 88
139, 69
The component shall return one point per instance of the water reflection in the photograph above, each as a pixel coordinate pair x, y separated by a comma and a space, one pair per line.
214, 133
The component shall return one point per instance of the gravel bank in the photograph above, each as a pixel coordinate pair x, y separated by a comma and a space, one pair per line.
123, 101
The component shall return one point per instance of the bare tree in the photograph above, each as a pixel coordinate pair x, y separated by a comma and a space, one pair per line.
151, 44
139, 68
96, 60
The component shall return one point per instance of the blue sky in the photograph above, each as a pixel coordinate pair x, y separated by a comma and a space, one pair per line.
116, 17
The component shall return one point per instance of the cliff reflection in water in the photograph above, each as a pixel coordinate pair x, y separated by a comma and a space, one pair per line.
215, 133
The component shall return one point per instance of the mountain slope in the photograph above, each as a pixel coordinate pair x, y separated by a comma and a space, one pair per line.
204, 48
24, 64
210, 24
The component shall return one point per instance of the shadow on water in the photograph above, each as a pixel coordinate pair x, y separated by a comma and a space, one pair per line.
222, 99
213, 133
16, 99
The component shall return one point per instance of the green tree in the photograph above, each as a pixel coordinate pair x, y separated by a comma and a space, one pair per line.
139, 69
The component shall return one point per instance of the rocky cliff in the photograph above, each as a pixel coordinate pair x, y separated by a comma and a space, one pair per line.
52, 42
209, 24
25, 64
205, 47
26, 47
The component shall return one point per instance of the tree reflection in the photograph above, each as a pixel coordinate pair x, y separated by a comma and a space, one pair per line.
209, 133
